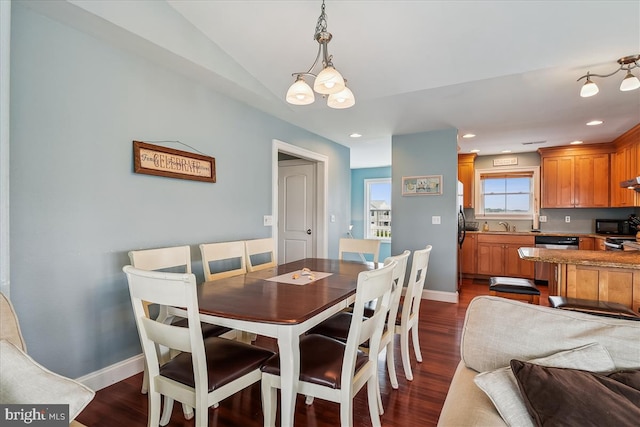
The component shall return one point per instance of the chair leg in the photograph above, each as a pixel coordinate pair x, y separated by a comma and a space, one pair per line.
404, 350
154, 408
166, 411
145, 380
416, 341
374, 408
346, 406
269, 396
391, 364
188, 411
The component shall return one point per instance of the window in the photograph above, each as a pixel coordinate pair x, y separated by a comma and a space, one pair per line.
377, 208
507, 194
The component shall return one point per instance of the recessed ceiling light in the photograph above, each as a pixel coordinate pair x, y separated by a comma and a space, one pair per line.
575, 142
475, 150
506, 151
594, 123
469, 135
355, 135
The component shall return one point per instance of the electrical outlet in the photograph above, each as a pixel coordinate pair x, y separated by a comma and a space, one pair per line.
435, 220
567, 218
543, 218
267, 220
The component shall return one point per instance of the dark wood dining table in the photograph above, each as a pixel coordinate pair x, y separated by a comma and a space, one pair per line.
255, 304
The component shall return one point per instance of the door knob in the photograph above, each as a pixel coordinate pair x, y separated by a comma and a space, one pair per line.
309, 231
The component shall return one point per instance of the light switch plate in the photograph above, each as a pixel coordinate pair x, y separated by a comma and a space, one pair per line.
435, 219
267, 220
543, 218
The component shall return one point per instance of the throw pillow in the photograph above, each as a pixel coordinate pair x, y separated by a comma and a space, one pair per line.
571, 397
501, 386
24, 381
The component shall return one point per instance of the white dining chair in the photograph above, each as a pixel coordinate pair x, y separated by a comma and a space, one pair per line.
359, 246
256, 250
411, 308
170, 259
334, 370
338, 325
232, 254
205, 371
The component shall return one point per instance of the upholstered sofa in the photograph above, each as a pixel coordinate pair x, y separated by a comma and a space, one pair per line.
484, 390
23, 381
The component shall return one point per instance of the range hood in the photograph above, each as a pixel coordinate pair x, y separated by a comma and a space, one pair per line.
632, 184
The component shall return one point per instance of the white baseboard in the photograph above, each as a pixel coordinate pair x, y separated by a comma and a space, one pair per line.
112, 374
441, 296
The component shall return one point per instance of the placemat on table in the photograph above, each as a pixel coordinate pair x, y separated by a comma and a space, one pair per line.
297, 278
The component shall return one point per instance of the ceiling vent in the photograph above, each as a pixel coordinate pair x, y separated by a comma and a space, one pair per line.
533, 142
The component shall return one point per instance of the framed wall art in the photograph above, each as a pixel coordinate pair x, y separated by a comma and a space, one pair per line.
427, 185
152, 159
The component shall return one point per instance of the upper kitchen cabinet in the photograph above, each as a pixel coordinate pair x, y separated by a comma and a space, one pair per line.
575, 177
625, 164
466, 176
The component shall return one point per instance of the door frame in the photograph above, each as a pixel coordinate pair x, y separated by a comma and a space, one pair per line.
321, 233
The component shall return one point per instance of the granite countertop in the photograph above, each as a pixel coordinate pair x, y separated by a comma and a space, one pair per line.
544, 233
613, 259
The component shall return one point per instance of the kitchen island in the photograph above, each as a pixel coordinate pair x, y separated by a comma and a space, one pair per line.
612, 276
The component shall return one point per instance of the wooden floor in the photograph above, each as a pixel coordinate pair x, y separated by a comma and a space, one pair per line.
414, 403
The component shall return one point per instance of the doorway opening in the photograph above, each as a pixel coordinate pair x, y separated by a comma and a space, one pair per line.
319, 232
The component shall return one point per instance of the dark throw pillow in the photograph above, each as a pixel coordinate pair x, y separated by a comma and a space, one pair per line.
570, 397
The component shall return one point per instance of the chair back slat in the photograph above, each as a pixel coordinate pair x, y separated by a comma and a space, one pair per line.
260, 247
223, 251
162, 258
359, 246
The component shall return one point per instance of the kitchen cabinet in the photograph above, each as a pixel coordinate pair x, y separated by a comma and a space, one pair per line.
466, 174
575, 177
586, 243
497, 255
468, 254
625, 164
598, 243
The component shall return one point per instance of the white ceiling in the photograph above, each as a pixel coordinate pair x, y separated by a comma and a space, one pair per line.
503, 70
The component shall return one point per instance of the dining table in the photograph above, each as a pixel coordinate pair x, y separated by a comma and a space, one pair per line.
282, 302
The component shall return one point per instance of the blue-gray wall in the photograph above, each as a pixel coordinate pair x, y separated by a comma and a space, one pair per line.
77, 207
428, 153
357, 202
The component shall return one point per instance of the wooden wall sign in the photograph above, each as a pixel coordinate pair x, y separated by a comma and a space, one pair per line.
152, 159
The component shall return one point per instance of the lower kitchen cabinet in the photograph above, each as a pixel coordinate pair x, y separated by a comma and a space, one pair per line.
586, 243
498, 255
468, 254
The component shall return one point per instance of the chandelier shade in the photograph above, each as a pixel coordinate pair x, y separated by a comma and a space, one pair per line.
328, 82
630, 82
342, 99
300, 93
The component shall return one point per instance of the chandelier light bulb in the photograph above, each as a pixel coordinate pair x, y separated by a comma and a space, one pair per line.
342, 99
300, 93
630, 82
589, 89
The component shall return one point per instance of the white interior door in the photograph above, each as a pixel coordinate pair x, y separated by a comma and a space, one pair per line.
296, 207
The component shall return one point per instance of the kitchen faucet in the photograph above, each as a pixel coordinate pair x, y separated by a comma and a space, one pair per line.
505, 224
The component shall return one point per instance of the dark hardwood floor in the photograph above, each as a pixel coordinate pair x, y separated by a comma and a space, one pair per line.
414, 403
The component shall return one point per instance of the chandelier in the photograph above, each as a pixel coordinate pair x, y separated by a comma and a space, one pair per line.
630, 82
327, 82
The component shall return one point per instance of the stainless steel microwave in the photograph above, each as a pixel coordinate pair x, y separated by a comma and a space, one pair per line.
614, 226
